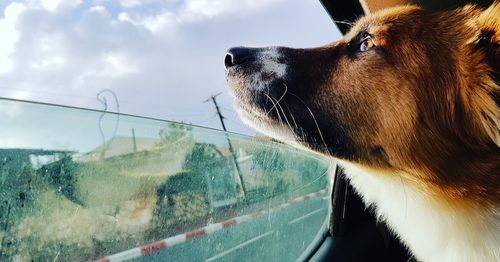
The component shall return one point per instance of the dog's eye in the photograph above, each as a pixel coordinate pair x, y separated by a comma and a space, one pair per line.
366, 44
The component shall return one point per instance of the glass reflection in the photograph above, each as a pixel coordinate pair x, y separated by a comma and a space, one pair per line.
80, 184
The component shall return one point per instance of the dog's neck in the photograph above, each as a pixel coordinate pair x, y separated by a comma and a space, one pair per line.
435, 230
470, 177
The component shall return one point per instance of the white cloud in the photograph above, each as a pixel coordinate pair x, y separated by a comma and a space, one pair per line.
138, 3
163, 58
130, 3
9, 35
203, 9
99, 9
116, 65
49, 62
189, 11
52, 5
154, 23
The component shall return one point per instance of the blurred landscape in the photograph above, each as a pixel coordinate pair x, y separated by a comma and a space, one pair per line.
134, 190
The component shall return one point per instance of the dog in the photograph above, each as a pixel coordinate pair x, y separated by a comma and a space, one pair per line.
409, 103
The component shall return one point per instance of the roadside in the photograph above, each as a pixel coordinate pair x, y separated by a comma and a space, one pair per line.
281, 214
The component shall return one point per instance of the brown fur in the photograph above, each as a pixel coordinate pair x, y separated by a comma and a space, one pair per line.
425, 100
420, 106
431, 103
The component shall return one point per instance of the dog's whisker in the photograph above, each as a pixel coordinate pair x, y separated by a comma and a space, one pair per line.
269, 96
345, 22
315, 122
284, 115
406, 196
291, 115
283, 95
310, 183
277, 111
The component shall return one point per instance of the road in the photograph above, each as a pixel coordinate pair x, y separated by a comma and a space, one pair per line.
283, 235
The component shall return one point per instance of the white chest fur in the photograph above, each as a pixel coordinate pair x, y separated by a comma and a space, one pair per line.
431, 229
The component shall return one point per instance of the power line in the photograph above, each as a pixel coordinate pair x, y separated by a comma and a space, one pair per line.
208, 121
235, 121
87, 99
230, 110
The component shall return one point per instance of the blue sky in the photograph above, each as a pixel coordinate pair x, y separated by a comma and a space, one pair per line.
161, 58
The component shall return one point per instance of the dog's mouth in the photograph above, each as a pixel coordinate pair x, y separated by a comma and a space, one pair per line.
270, 124
257, 79
272, 96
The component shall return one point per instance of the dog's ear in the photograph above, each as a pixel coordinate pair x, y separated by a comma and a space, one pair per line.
488, 42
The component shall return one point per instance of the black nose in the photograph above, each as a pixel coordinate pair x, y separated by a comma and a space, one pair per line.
238, 56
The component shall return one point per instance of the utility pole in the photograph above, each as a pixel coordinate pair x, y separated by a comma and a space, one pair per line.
231, 149
221, 117
134, 143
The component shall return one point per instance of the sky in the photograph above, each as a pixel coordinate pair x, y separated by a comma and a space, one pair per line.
162, 58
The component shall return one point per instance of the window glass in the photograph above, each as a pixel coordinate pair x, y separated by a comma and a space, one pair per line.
86, 185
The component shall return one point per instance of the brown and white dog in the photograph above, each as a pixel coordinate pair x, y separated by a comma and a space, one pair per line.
409, 103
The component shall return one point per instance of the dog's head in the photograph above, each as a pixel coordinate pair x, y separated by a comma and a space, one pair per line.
406, 89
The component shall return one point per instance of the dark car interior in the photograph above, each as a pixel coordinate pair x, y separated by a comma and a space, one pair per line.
355, 234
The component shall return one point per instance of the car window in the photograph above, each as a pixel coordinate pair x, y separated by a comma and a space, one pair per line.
88, 185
